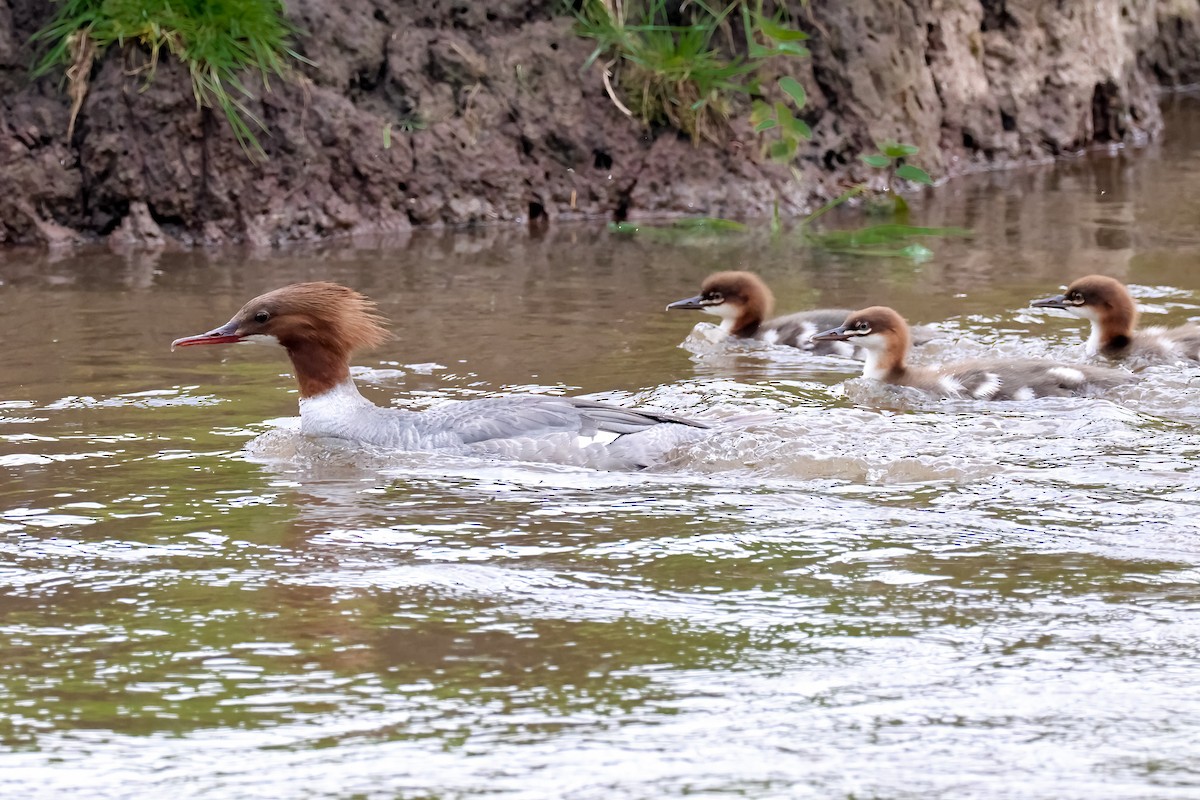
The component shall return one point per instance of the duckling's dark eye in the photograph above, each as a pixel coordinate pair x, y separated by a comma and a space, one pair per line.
1075, 297
262, 317
862, 325
714, 297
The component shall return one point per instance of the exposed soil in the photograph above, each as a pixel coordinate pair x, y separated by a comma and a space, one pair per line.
449, 113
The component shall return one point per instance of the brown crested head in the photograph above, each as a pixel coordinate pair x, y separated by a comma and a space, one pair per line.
320, 314
1108, 296
1096, 296
320, 325
1106, 302
737, 296
878, 321
738, 287
882, 333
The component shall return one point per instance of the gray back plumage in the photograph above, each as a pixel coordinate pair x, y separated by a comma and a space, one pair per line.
1168, 343
536, 415
1024, 379
796, 330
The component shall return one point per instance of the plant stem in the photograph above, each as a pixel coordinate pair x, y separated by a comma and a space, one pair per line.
849, 194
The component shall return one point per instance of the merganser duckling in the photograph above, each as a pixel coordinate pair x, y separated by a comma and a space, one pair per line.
884, 335
321, 324
743, 302
1107, 304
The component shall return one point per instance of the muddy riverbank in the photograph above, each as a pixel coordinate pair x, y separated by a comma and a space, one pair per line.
428, 114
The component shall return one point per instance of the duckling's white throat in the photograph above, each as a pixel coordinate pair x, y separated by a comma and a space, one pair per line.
726, 311
1095, 339
872, 369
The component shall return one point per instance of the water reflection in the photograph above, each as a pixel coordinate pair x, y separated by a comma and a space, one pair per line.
968, 600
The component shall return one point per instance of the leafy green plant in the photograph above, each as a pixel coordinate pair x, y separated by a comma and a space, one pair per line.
675, 73
790, 129
891, 157
895, 238
217, 40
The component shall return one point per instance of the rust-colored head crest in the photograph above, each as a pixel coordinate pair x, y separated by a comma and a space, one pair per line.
320, 314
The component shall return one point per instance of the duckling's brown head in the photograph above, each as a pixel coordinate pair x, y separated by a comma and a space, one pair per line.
1106, 303
876, 328
1096, 297
738, 297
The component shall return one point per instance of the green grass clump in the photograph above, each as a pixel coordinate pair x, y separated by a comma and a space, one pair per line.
219, 41
675, 72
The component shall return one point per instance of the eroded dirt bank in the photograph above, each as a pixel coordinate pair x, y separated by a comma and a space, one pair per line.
490, 119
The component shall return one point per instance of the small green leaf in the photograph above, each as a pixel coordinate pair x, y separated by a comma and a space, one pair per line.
387, 136
898, 150
760, 112
783, 150
876, 160
794, 90
757, 51
784, 115
780, 33
915, 174
801, 129
765, 125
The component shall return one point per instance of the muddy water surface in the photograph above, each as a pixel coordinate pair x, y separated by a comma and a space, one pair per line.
862, 594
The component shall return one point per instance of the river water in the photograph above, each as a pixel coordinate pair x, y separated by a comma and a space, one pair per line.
863, 594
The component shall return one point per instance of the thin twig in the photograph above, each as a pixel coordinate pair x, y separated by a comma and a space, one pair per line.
611, 94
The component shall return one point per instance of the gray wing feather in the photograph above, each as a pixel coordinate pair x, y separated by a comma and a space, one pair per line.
616, 419
512, 417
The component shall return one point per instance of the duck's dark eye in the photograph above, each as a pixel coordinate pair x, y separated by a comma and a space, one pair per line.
1075, 297
714, 297
862, 325
262, 317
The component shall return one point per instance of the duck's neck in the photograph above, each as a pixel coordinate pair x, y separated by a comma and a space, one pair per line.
756, 310
1112, 328
748, 318
744, 325
887, 365
318, 369
1110, 338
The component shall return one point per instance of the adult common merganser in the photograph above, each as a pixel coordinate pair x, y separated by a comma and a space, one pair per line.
1106, 303
884, 334
321, 325
743, 302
